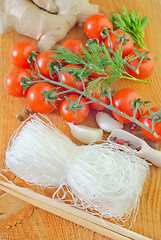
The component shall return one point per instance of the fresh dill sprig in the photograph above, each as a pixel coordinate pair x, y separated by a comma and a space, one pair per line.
109, 65
62, 53
77, 72
131, 23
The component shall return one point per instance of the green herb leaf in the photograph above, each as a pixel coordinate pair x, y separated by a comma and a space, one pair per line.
131, 23
144, 22
78, 73
62, 53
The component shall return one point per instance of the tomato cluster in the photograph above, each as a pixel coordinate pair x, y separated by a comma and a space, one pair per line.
36, 100
94, 27
44, 97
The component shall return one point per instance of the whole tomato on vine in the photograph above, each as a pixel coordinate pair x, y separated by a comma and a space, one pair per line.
122, 101
41, 97
43, 59
146, 119
13, 79
74, 108
119, 37
94, 25
20, 52
147, 65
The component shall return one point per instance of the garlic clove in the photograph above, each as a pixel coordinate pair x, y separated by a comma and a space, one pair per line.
85, 134
106, 122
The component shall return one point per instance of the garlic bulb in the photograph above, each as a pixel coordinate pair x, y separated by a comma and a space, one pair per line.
85, 134
107, 122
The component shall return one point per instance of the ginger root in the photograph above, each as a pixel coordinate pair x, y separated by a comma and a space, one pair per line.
28, 19
48, 5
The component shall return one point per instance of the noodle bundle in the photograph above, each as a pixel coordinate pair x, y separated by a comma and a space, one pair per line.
99, 177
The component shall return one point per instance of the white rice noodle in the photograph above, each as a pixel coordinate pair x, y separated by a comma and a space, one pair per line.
99, 177
39, 153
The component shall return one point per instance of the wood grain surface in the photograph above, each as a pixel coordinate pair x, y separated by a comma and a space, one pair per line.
20, 220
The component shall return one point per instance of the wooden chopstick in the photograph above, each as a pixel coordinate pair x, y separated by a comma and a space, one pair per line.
70, 213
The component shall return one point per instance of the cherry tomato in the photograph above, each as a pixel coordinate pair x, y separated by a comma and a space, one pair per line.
126, 48
20, 52
122, 101
97, 95
70, 79
38, 103
69, 115
94, 25
43, 59
74, 45
148, 122
146, 68
12, 81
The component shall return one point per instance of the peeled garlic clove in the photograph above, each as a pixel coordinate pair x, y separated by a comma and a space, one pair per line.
107, 122
85, 134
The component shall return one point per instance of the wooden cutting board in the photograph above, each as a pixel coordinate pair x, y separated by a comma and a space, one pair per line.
20, 220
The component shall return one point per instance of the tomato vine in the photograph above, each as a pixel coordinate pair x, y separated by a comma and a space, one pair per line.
107, 63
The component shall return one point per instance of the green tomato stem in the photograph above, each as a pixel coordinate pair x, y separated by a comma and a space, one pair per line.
85, 94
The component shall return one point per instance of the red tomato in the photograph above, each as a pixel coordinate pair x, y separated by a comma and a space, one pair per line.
12, 81
146, 68
97, 95
74, 45
122, 101
69, 115
69, 79
126, 48
94, 25
148, 122
43, 59
20, 52
38, 103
